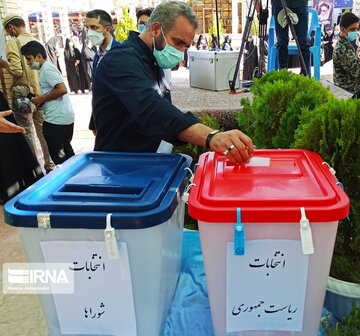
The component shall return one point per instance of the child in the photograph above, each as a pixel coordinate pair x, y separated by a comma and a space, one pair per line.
58, 126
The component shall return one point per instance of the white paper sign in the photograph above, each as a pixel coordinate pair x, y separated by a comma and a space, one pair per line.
265, 288
102, 303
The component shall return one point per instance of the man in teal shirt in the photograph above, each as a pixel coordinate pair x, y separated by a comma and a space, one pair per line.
58, 126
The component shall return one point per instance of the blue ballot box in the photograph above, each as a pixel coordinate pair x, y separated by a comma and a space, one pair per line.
116, 219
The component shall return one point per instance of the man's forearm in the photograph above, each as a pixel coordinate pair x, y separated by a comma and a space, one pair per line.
57, 92
195, 134
54, 94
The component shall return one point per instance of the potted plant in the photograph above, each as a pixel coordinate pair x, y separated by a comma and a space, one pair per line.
292, 111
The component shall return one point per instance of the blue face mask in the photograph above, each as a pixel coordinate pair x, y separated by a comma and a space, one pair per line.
336, 33
169, 56
351, 36
141, 27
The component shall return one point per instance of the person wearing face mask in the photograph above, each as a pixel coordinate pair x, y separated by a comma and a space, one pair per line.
100, 32
346, 62
131, 111
58, 124
142, 17
14, 26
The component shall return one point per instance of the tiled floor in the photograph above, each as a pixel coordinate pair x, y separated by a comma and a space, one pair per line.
20, 314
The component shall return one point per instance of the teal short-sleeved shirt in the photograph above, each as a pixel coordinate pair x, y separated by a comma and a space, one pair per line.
58, 111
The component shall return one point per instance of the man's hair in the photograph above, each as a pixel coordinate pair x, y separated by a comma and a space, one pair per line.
17, 22
33, 48
347, 19
103, 17
167, 12
143, 11
328, 28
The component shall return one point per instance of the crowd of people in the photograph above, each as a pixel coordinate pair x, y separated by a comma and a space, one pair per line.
131, 94
131, 97
203, 44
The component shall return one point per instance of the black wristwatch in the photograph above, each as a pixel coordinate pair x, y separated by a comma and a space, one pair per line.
209, 137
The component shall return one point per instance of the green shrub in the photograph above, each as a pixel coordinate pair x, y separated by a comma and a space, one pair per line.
272, 117
333, 130
349, 326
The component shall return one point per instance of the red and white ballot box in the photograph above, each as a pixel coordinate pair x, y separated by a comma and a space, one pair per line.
267, 233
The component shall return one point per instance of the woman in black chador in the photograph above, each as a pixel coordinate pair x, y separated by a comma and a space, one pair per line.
87, 56
18, 165
251, 61
328, 43
53, 52
74, 68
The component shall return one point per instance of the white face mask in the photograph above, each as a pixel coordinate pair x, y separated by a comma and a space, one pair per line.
96, 38
35, 65
71, 44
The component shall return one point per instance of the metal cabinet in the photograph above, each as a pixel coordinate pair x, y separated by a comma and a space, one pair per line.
212, 70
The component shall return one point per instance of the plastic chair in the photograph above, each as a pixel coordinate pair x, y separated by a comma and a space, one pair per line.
315, 50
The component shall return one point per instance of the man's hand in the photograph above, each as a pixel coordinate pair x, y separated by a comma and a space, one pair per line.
8, 127
38, 101
4, 64
234, 144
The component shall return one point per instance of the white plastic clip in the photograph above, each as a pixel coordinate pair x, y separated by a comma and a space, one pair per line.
191, 178
185, 196
305, 234
332, 170
110, 239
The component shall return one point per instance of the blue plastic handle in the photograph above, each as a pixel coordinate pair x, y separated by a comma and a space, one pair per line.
239, 235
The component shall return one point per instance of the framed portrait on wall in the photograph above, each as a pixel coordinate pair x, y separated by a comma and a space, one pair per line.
325, 10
